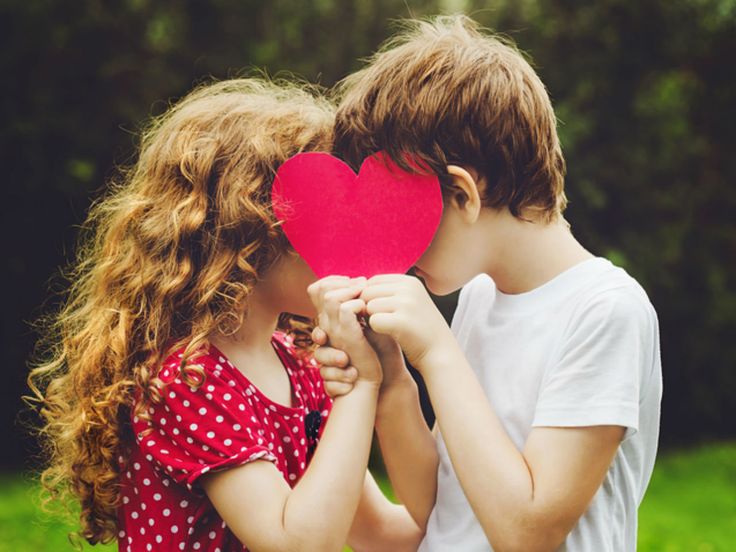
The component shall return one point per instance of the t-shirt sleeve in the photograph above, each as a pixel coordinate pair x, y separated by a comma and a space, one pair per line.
605, 358
196, 430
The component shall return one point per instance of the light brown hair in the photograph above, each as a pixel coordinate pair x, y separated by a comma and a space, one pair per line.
167, 258
444, 91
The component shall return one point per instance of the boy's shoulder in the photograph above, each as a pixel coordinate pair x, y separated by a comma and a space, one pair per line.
595, 287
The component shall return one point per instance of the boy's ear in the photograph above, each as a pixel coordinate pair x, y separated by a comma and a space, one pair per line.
465, 196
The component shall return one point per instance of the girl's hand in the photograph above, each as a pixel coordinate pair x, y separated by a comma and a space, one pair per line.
339, 377
401, 308
338, 304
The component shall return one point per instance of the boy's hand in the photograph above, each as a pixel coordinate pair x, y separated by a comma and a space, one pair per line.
400, 307
338, 304
339, 376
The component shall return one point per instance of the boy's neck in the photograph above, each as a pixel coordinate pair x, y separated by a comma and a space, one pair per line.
526, 255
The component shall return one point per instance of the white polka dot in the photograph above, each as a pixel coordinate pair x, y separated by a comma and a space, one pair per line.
136, 466
164, 451
287, 439
193, 427
210, 388
295, 429
163, 421
202, 411
143, 530
292, 476
134, 515
149, 457
176, 431
231, 383
219, 419
209, 396
296, 453
190, 519
174, 528
210, 434
276, 425
227, 442
157, 496
181, 546
196, 546
178, 418
204, 447
125, 500
159, 538
146, 481
212, 534
227, 396
121, 534
143, 506
241, 407
183, 504
167, 512
190, 440
150, 522
151, 443
149, 547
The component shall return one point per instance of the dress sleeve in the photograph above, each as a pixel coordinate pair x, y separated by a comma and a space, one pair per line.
605, 359
196, 430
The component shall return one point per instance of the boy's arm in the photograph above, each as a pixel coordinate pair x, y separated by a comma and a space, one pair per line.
408, 447
527, 500
380, 525
524, 500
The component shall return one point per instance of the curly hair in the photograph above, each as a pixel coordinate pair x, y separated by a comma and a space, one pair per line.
165, 259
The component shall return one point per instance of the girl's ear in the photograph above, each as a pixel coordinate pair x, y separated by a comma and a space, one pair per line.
465, 196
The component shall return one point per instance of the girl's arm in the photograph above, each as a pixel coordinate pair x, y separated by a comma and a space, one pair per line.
380, 525
266, 515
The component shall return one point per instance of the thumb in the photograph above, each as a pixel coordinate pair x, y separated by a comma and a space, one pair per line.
383, 323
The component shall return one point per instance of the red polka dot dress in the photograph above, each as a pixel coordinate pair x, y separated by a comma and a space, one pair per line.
224, 423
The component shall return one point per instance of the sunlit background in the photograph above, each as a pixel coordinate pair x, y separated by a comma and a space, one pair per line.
645, 92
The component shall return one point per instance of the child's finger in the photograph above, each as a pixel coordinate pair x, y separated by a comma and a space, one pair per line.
385, 278
327, 356
383, 323
382, 304
319, 336
344, 375
337, 389
382, 290
318, 289
335, 298
349, 310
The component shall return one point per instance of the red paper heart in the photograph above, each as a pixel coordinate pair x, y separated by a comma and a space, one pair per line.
378, 222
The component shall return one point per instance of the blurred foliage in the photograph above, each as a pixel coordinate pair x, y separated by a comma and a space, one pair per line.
645, 92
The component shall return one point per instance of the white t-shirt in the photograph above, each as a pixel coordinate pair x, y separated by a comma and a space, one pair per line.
580, 350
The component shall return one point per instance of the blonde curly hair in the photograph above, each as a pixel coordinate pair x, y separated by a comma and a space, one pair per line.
168, 257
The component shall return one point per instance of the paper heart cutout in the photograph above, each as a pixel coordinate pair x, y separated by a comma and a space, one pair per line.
378, 222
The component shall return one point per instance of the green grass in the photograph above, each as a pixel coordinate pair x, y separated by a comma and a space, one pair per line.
690, 507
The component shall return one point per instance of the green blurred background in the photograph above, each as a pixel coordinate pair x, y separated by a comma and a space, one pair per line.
646, 96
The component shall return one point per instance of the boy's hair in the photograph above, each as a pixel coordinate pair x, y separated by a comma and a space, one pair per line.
444, 92
170, 256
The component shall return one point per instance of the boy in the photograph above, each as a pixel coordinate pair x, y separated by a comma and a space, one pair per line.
547, 386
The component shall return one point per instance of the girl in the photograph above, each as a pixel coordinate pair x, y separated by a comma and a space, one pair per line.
181, 406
